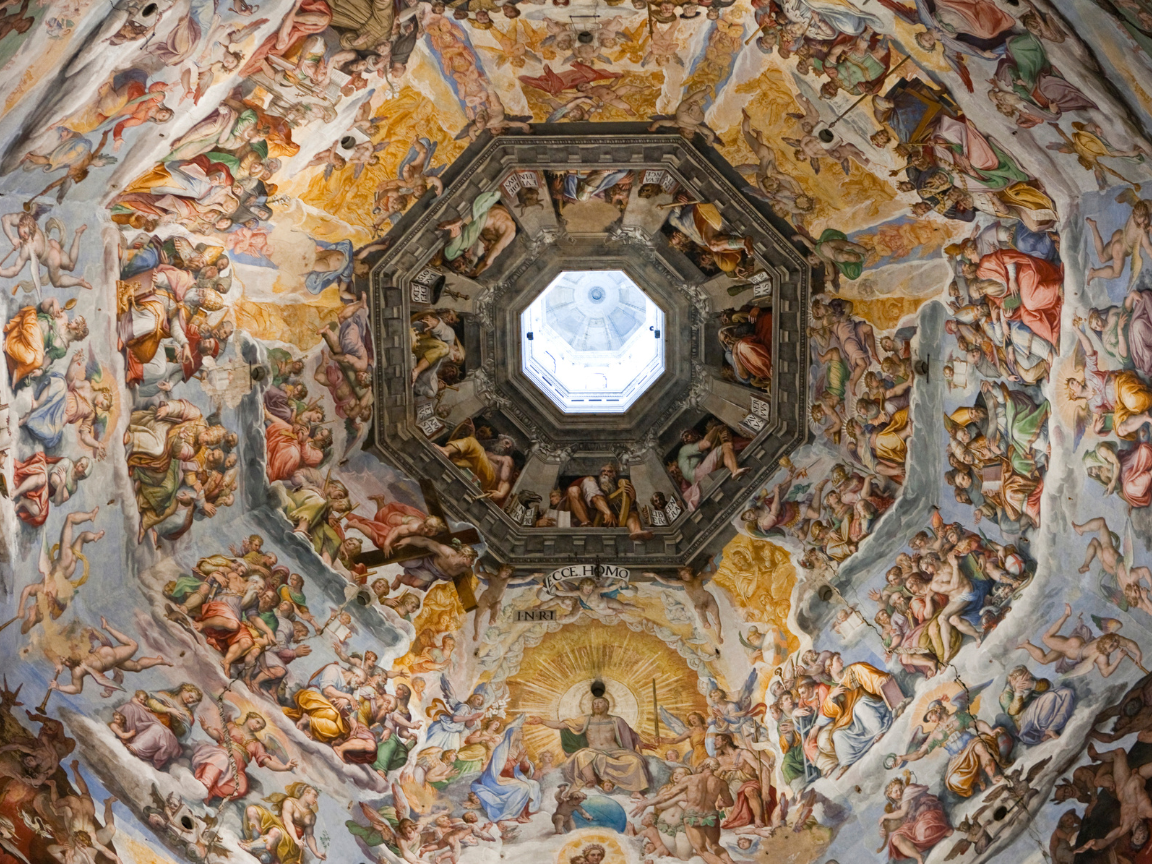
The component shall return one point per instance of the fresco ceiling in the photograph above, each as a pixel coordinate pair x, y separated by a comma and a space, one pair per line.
309, 551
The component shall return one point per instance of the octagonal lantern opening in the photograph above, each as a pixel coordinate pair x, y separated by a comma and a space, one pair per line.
593, 341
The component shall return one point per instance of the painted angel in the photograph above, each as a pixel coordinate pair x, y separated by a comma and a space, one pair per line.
692, 729
633, 44
393, 832
330, 158
810, 147
56, 588
517, 46
366, 153
453, 719
809, 118
664, 47
732, 717
221, 56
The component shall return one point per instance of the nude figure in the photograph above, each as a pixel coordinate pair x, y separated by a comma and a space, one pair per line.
1084, 652
689, 117
702, 601
590, 594
491, 116
108, 657
37, 248
55, 589
1127, 241
810, 147
1128, 787
78, 812
491, 599
958, 589
1104, 549
702, 793
448, 560
766, 170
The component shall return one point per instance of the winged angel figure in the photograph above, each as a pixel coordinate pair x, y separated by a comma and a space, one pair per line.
733, 717
454, 718
392, 831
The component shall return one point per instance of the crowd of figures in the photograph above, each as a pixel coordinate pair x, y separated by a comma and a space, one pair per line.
188, 186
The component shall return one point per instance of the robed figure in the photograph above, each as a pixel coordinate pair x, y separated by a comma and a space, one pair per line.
603, 749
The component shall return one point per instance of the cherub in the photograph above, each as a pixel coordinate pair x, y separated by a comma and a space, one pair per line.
1130, 240
1103, 548
51, 594
107, 657
689, 117
702, 600
1078, 652
451, 834
568, 801
38, 247
603, 95
416, 176
365, 153
491, 599
221, 56
330, 158
664, 46
596, 599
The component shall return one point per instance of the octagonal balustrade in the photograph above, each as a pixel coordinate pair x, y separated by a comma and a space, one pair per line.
562, 317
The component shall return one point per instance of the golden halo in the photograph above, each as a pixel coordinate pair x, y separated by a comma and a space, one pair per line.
613, 852
1066, 408
622, 701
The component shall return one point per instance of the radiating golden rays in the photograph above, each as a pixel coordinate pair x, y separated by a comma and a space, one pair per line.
624, 660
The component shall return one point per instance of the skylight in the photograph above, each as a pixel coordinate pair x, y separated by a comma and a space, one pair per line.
593, 342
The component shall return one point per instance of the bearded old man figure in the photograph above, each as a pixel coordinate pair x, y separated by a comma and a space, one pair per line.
608, 501
604, 750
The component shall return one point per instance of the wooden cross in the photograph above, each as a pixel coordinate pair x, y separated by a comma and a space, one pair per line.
468, 537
